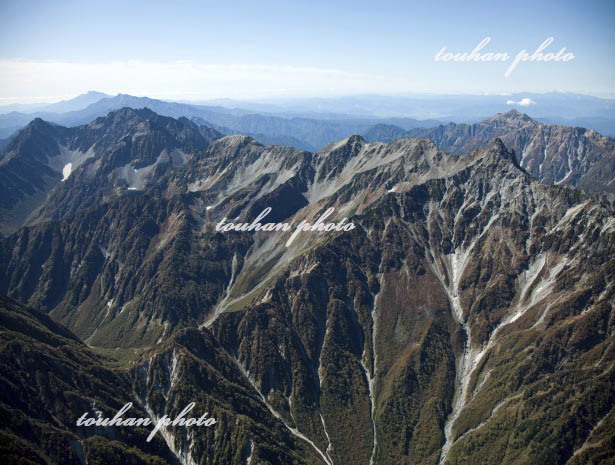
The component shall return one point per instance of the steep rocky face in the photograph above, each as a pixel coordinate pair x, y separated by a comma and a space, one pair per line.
466, 319
554, 154
48, 171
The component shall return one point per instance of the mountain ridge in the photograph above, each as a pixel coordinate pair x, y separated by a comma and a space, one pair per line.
129, 145
467, 318
554, 154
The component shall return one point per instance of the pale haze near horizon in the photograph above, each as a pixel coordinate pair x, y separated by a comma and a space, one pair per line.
204, 50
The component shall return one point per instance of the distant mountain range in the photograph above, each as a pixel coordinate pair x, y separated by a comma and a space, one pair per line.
568, 109
310, 124
77, 103
468, 318
303, 132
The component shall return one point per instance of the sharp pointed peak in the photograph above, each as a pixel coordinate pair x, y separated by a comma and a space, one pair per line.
497, 153
353, 141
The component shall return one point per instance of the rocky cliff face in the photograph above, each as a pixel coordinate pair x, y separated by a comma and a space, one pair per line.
125, 150
466, 319
553, 154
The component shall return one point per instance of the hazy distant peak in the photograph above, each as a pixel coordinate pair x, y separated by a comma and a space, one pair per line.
38, 122
123, 116
93, 93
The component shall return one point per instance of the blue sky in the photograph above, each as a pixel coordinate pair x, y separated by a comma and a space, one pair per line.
201, 49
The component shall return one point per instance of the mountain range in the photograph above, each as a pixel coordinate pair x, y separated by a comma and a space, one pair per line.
561, 108
554, 154
73, 104
304, 132
466, 319
310, 124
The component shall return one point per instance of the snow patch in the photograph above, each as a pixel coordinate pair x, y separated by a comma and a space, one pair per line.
66, 171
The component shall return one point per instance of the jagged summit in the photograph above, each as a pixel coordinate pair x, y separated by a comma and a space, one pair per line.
38, 122
40, 125
497, 152
351, 143
512, 115
41, 167
510, 119
551, 153
126, 114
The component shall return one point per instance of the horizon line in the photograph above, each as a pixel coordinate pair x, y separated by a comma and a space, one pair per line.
49, 100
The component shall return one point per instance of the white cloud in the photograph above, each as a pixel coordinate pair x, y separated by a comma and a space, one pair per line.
25, 80
524, 102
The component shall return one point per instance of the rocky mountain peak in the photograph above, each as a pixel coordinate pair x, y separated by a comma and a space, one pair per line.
497, 153
124, 150
355, 139
234, 141
511, 116
554, 154
124, 116
38, 123
35, 141
37, 127
349, 146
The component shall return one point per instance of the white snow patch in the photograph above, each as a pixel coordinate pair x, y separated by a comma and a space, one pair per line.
544, 158
68, 160
66, 171
174, 375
